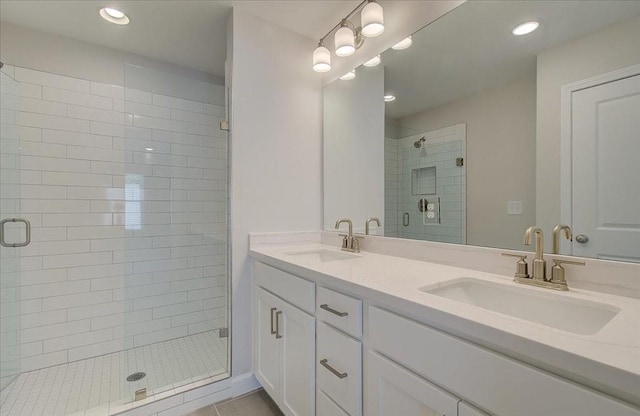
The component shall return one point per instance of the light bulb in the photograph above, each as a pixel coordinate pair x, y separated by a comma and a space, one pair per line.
345, 42
525, 28
373, 61
114, 16
321, 59
372, 20
389, 98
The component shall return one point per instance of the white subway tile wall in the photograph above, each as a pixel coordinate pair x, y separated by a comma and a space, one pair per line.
404, 163
126, 191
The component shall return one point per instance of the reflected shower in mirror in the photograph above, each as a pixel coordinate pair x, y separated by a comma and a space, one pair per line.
492, 131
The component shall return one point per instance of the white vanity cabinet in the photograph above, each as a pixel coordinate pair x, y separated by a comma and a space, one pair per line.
494, 382
284, 339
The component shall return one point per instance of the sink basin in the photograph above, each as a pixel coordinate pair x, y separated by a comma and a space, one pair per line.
321, 255
550, 309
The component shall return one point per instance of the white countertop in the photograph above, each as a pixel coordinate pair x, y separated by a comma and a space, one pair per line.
608, 361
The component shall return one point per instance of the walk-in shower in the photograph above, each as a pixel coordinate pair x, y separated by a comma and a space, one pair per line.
122, 292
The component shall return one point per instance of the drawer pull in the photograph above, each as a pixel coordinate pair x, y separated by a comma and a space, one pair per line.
333, 311
335, 372
272, 330
278, 336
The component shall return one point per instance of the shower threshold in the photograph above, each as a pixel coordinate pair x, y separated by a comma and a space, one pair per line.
98, 386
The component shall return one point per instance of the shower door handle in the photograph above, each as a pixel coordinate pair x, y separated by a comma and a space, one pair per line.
27, 239
405, 219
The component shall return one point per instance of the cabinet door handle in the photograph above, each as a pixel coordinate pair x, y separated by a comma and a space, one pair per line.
278, 336
272, 330
333, 311
333, 371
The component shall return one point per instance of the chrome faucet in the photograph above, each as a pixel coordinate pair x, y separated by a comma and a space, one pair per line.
349, 241
369, 220
556, 236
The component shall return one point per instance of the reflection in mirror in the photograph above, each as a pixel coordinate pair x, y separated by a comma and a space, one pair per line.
491, 132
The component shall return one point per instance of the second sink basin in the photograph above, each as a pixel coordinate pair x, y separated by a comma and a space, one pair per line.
550, 309
321, 255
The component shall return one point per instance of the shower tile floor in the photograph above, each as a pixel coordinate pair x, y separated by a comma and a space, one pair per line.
98, 387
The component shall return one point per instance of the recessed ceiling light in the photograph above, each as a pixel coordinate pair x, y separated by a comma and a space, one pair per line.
149, 149
349, 75
525, 28
403, 44
373, 61
389, 98
114, 16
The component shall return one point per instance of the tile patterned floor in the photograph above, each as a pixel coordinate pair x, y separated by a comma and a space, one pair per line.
257, 403
95, 385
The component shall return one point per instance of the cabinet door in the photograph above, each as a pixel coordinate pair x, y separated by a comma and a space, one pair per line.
267, 347
298, 357
392, 390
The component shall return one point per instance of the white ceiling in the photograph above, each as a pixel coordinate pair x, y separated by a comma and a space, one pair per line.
188, 33
472, 49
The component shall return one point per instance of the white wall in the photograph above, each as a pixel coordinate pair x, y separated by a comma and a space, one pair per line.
500, 158
276, 151
610, 49
353, 151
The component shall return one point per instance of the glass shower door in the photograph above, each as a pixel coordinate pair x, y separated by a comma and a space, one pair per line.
12, 232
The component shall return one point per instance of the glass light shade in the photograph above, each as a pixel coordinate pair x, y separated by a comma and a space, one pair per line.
372, 20
349, 75
321, 59
345, 42
403, 44
525, 28
373, 61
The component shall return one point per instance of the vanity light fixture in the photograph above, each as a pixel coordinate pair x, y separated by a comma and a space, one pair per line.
525, 28
347, 37
403, 44
114, 16
389, 98
349, 76
373, 61
321, 58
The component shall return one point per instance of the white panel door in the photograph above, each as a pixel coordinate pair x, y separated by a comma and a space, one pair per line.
298, 341
267, 348
606, 170
393, 390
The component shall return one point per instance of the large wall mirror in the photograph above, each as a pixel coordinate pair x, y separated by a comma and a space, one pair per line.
473, 133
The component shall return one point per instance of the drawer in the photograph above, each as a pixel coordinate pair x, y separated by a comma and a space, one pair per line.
340, 377
340, 311
494, 382
293, 289
327, 407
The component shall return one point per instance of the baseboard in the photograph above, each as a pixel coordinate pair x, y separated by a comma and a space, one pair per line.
243, 384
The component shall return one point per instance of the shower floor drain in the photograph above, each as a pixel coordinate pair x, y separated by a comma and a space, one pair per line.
136, 376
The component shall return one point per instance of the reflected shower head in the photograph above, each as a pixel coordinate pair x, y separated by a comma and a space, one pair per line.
418, 143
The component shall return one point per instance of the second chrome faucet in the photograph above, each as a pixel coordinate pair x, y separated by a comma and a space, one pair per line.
351, 242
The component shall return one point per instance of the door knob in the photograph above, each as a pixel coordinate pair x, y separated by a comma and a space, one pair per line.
582, 238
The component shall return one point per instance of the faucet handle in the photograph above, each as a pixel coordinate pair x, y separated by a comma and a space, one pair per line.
557, 271
522, 268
